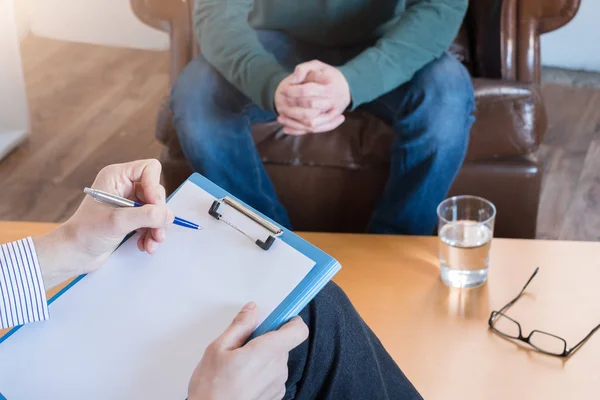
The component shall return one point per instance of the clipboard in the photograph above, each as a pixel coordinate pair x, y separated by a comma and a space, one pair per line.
270, 239
326, 267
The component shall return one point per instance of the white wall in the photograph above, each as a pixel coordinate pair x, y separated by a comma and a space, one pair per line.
108, 22
21, 18
576, 45
14, 115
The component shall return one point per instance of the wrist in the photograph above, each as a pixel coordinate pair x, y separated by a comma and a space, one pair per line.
57, 253
348, 93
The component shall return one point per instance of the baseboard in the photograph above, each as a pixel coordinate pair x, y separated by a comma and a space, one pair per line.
571, 77
10, 140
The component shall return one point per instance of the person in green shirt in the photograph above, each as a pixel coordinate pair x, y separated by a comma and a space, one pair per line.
304, 63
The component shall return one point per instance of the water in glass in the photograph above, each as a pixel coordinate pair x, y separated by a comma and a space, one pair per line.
464, 253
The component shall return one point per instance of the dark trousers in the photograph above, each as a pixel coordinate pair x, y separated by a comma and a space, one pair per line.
431, 116
342, 358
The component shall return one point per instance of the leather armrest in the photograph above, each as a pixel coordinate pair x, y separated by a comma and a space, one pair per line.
536, 17
549, 14
173, 17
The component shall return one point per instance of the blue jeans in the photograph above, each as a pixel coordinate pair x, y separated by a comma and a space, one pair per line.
431, 116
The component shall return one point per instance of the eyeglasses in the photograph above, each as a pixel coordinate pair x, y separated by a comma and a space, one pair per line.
544, 342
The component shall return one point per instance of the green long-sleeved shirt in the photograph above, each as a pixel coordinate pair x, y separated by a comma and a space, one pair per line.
407, 35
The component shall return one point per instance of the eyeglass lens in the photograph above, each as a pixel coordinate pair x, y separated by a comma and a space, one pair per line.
547, 343
506, 326
540, 340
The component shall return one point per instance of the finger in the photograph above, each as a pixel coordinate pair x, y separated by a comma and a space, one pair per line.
154, 193
286, 338
316, 103
295, 132
147, 172
240, 328
139, 192
302, 70
150, 244
158, 234
125, 220
162, 195
317, 124
323, 119
337, 121
292, 123
293, 333
301, 114
306, 90
141, 241
158, 191
320, 76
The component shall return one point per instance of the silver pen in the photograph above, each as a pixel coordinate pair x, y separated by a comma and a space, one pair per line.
118, 201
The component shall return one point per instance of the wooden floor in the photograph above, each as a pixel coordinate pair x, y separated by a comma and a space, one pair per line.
95, 105
90, 106
570, 203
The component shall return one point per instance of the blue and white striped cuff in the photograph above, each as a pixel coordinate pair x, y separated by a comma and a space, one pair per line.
22, 292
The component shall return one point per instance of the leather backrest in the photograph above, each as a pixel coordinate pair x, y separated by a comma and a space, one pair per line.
484, 20
478, 42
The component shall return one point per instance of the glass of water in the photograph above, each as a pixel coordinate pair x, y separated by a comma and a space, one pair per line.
465, 229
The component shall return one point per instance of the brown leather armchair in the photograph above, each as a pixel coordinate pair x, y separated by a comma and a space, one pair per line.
317, 177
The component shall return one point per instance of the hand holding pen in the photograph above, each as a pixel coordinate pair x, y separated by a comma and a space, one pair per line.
117, 201
95, 230
138, 181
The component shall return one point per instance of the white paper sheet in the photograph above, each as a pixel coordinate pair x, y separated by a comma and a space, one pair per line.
136, 328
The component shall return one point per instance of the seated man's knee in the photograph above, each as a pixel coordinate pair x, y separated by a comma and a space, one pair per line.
448, 100
332, 306
447, 83
332, 294
195, 88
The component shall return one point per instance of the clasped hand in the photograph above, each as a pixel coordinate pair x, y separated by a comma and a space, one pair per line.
312, 99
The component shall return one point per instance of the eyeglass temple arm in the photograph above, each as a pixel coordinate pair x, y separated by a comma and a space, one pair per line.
574, 348
510, 303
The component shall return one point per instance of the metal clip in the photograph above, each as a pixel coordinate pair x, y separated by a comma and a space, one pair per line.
275, 230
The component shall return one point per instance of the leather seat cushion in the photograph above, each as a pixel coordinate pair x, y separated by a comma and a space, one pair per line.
508, 115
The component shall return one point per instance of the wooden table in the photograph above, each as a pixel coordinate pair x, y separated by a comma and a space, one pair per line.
439, 336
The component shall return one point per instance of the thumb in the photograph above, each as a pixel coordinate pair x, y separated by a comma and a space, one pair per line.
126, 220
302, 71
240, 328
286, 338
320, 76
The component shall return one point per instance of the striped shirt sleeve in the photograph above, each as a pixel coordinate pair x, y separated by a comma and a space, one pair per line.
22, 292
